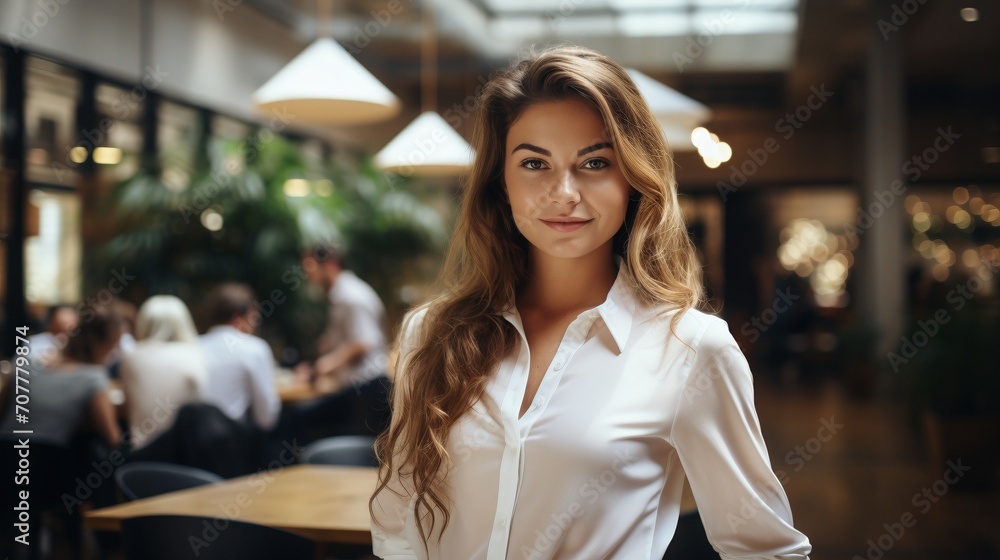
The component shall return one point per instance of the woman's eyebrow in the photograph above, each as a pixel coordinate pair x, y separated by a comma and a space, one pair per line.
524, 146
594, 148
544, 152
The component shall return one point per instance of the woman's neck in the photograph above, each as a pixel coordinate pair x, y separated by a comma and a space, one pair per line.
557, 285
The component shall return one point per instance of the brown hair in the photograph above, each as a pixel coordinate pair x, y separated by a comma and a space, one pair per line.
99, 324
229, 301
463, 336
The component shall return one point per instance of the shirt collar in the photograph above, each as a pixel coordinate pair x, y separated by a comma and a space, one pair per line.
617, 311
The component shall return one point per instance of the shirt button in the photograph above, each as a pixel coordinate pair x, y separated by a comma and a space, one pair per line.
503, 523
558, 366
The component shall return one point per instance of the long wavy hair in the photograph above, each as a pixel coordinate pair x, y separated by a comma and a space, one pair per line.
462, 337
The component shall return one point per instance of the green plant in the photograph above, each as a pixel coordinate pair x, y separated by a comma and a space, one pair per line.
955, 373
235, 222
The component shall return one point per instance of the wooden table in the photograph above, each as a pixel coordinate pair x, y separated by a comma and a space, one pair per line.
296, 392
323, 503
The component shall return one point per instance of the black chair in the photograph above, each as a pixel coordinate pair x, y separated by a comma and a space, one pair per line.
355, 451
690, 541
150, 478
179, 537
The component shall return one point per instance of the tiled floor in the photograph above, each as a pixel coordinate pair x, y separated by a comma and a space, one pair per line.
869, 474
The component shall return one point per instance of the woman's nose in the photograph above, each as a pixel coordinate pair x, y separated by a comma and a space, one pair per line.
564, 188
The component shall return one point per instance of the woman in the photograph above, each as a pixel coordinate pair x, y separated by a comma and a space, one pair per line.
551, 401
68, 394
165, 370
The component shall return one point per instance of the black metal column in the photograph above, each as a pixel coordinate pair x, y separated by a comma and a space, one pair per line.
13, 156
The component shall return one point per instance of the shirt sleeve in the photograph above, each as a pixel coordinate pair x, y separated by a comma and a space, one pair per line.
391, 508
364, 324
718, 440
264, 402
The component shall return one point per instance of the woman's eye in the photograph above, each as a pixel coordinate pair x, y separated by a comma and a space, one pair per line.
532, 164
596, 164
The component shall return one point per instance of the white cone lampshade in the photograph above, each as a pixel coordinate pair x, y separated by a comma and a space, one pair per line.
677, 113
325, 84
428, 146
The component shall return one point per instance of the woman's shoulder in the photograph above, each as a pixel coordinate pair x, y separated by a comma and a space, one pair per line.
696, 328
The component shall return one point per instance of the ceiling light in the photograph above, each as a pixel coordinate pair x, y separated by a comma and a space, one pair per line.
427, 146
678, 114
107, 156
296, 187
78, 154
325, 84
969, 14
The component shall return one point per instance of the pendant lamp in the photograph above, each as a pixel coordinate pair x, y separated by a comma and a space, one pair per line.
325, 84
428, 146
677, 113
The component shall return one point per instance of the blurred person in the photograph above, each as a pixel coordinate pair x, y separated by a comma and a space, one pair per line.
60, 322
551, 400
166, 369
126, 343
241, 379
353, 354
68, 393
73, 427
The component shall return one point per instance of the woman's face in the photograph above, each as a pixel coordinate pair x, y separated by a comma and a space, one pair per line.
563, 179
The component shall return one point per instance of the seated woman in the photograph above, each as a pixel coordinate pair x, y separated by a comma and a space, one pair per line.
72, 423
165, 370
68, 393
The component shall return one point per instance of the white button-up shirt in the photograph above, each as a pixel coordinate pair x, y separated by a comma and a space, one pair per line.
241, 375
595, 467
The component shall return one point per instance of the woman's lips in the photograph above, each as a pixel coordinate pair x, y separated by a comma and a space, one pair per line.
566, 225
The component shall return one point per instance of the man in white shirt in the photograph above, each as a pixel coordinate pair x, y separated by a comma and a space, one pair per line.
240, 365
352, 350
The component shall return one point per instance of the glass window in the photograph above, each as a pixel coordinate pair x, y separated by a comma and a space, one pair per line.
53, 249
50, 120
179, 138
229, 129
119, 111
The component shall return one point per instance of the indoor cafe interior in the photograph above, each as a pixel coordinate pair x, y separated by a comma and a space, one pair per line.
216, 214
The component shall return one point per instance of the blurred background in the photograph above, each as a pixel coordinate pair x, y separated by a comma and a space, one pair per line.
838, 164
